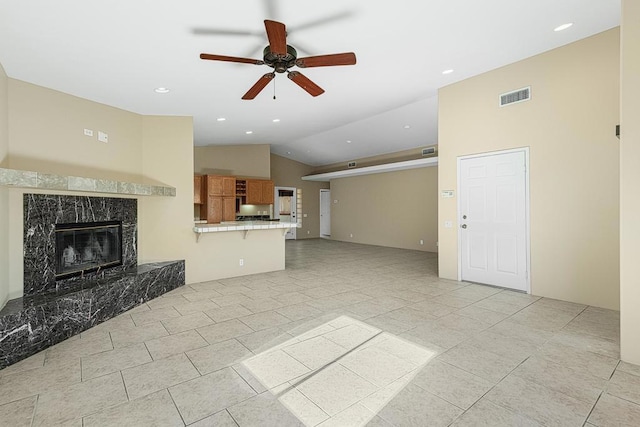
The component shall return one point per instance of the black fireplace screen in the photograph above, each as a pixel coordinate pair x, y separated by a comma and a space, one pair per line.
86, 247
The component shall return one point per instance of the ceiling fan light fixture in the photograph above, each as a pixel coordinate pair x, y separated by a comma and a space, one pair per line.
161, 90
563, 27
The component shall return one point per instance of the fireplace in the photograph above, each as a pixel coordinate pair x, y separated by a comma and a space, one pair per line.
86, 247
74, 242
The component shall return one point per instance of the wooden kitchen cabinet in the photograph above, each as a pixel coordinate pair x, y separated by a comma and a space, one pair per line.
267, 192
228, 186
220, 199
214, 209
197, 189
228, 208
259, 192
224, 186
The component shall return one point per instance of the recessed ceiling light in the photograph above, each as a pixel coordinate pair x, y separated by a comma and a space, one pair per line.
447, 71
221, 119
161, 90
249, 132
563, 26
275, 120
348, 141
407, 127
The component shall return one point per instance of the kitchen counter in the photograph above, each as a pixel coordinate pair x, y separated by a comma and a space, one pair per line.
245, 226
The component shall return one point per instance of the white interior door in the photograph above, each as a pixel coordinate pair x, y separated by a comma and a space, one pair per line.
493, 212
284, 208
325, 213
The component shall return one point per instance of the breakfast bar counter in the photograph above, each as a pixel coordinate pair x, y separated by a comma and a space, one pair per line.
244, 226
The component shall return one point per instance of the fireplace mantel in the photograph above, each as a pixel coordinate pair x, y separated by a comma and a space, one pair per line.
30, 179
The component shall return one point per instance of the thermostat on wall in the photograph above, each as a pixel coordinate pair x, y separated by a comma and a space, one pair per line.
447, 194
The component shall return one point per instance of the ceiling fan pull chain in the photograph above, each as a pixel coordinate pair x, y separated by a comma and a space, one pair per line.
274, 88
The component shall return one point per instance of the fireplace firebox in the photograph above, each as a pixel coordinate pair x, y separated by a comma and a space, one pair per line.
86, 247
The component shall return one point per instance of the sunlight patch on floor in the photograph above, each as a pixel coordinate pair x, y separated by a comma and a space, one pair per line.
340, 373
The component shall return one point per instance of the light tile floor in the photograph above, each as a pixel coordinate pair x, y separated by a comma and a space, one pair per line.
347, 335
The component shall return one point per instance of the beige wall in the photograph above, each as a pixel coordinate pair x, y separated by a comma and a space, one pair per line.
46, 135
629, 179
288, 173
569, 126
4, 192
250, 161
394, 209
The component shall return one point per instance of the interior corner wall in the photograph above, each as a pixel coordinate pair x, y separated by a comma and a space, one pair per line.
249, 161
569, 127
394, 209
288, 173
4, 192
629, 179
165, 224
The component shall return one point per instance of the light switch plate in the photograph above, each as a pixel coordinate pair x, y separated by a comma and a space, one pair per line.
103, 137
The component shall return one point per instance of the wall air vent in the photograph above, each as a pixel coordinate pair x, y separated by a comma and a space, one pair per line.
428, 151
351, 164
515, 96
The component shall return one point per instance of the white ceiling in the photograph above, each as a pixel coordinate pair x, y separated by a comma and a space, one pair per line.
117, 51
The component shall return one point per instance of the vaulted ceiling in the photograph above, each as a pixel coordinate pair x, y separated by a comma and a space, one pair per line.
117, 52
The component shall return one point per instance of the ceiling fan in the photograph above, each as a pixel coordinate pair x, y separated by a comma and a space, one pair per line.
281, 57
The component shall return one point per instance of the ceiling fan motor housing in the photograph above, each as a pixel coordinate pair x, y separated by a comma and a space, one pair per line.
280, 64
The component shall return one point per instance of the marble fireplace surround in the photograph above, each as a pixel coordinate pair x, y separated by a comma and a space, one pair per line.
50, 311
41, 214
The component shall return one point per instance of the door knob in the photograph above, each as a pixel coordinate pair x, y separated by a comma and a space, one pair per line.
464, 226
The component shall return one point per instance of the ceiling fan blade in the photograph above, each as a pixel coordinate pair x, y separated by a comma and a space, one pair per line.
306, 84
260, 84
231, 59
348, 58
277, 35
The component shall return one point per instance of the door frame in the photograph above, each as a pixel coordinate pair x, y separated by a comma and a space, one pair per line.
294, 207
324, 236
527, 208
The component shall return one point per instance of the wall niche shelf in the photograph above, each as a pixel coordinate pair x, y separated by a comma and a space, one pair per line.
44, 181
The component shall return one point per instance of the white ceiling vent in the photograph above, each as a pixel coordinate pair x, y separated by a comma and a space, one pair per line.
515, 96
351, 164
428, 151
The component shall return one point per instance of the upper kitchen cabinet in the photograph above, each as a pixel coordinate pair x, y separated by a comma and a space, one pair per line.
259, 192
221, 186
197, 189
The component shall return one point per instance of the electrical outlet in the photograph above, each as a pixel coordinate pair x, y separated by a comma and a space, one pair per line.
350, 235
88, 132
308, 232
241, 262
421, 242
